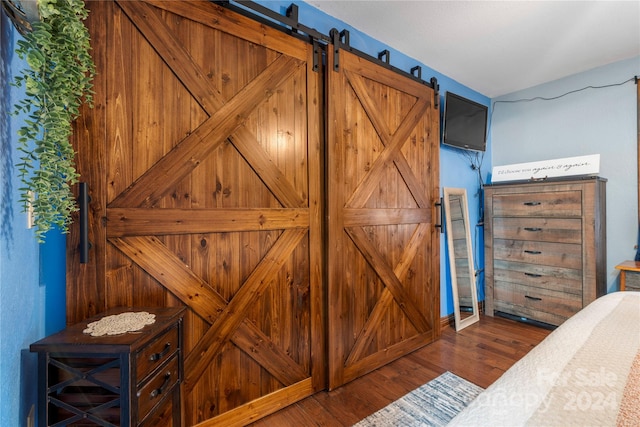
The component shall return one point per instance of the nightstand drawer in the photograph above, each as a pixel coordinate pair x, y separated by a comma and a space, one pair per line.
156, 353
633, 282
567, 255
558, 230
547, 204
154, 391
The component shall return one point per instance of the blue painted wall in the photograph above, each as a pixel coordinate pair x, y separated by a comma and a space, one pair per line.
32, 276
21, 296
590, 121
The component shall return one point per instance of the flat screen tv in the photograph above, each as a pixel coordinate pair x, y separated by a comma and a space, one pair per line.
464, 123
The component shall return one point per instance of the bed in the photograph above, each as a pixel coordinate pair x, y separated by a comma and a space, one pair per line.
585, 373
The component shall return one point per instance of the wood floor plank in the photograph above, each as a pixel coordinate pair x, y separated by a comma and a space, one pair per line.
480, 354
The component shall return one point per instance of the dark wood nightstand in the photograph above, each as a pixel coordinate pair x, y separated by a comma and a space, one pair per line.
629, 283
129, 379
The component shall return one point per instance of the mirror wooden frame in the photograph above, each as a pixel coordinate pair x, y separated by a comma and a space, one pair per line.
460, 254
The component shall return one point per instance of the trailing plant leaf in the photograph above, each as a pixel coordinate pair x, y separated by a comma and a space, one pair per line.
57, 81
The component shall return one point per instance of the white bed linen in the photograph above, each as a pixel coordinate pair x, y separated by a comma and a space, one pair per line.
584, 373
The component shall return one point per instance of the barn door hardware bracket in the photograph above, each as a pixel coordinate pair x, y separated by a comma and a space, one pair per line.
386, 55
317, 55
436, 92
344, 35
83, 205
292, 13
417, 69
440, 208
339, 39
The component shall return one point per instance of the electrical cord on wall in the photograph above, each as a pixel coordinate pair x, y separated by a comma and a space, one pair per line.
475, 160
541, 98
553, 98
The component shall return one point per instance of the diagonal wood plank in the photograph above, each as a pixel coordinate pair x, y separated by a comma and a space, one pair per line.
155, 258
233, 314
209, 98
172, 51
262, 163
392, 142
412, 182
257, 345
388, 277
372, 71
163, 265
268, 404
188, 154
386, 299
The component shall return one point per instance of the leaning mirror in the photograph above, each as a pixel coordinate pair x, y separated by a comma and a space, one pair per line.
463, 277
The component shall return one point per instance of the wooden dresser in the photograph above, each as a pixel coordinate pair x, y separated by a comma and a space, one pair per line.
545, 248
129, 379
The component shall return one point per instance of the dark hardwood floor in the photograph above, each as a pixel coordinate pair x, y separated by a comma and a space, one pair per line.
480, 354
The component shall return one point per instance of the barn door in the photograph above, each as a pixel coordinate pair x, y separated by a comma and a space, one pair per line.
382, 187
202, 154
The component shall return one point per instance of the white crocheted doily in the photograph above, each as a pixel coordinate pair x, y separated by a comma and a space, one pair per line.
120, 323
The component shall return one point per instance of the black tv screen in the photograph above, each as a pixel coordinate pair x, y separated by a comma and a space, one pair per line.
464, 123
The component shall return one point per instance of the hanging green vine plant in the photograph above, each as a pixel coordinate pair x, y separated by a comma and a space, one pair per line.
57, 80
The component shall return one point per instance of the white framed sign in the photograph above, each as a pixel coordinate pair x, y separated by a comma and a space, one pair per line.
570, 166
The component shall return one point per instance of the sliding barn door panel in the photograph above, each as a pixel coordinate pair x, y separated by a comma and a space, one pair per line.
203, 155
383, 262
303, 252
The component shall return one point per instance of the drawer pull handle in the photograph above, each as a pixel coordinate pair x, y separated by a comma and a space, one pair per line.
532, 203
532, 252
157, 356
157, 392
533, 229
533, 275
533, 298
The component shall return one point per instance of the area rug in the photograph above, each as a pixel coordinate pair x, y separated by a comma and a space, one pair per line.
433, 404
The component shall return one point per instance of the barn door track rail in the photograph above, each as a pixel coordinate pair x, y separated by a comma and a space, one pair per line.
290, 24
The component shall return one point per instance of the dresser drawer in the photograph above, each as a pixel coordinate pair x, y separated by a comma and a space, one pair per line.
568, 255
547, 204
534, 303
157, 352
161, 384
558, 279
545, 251
559, 230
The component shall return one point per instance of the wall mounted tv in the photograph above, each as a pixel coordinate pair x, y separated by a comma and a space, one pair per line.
464, 123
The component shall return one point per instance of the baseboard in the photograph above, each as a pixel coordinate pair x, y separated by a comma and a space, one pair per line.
447, 321
450, 320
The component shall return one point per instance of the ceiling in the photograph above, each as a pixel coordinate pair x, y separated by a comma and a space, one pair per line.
499, 47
